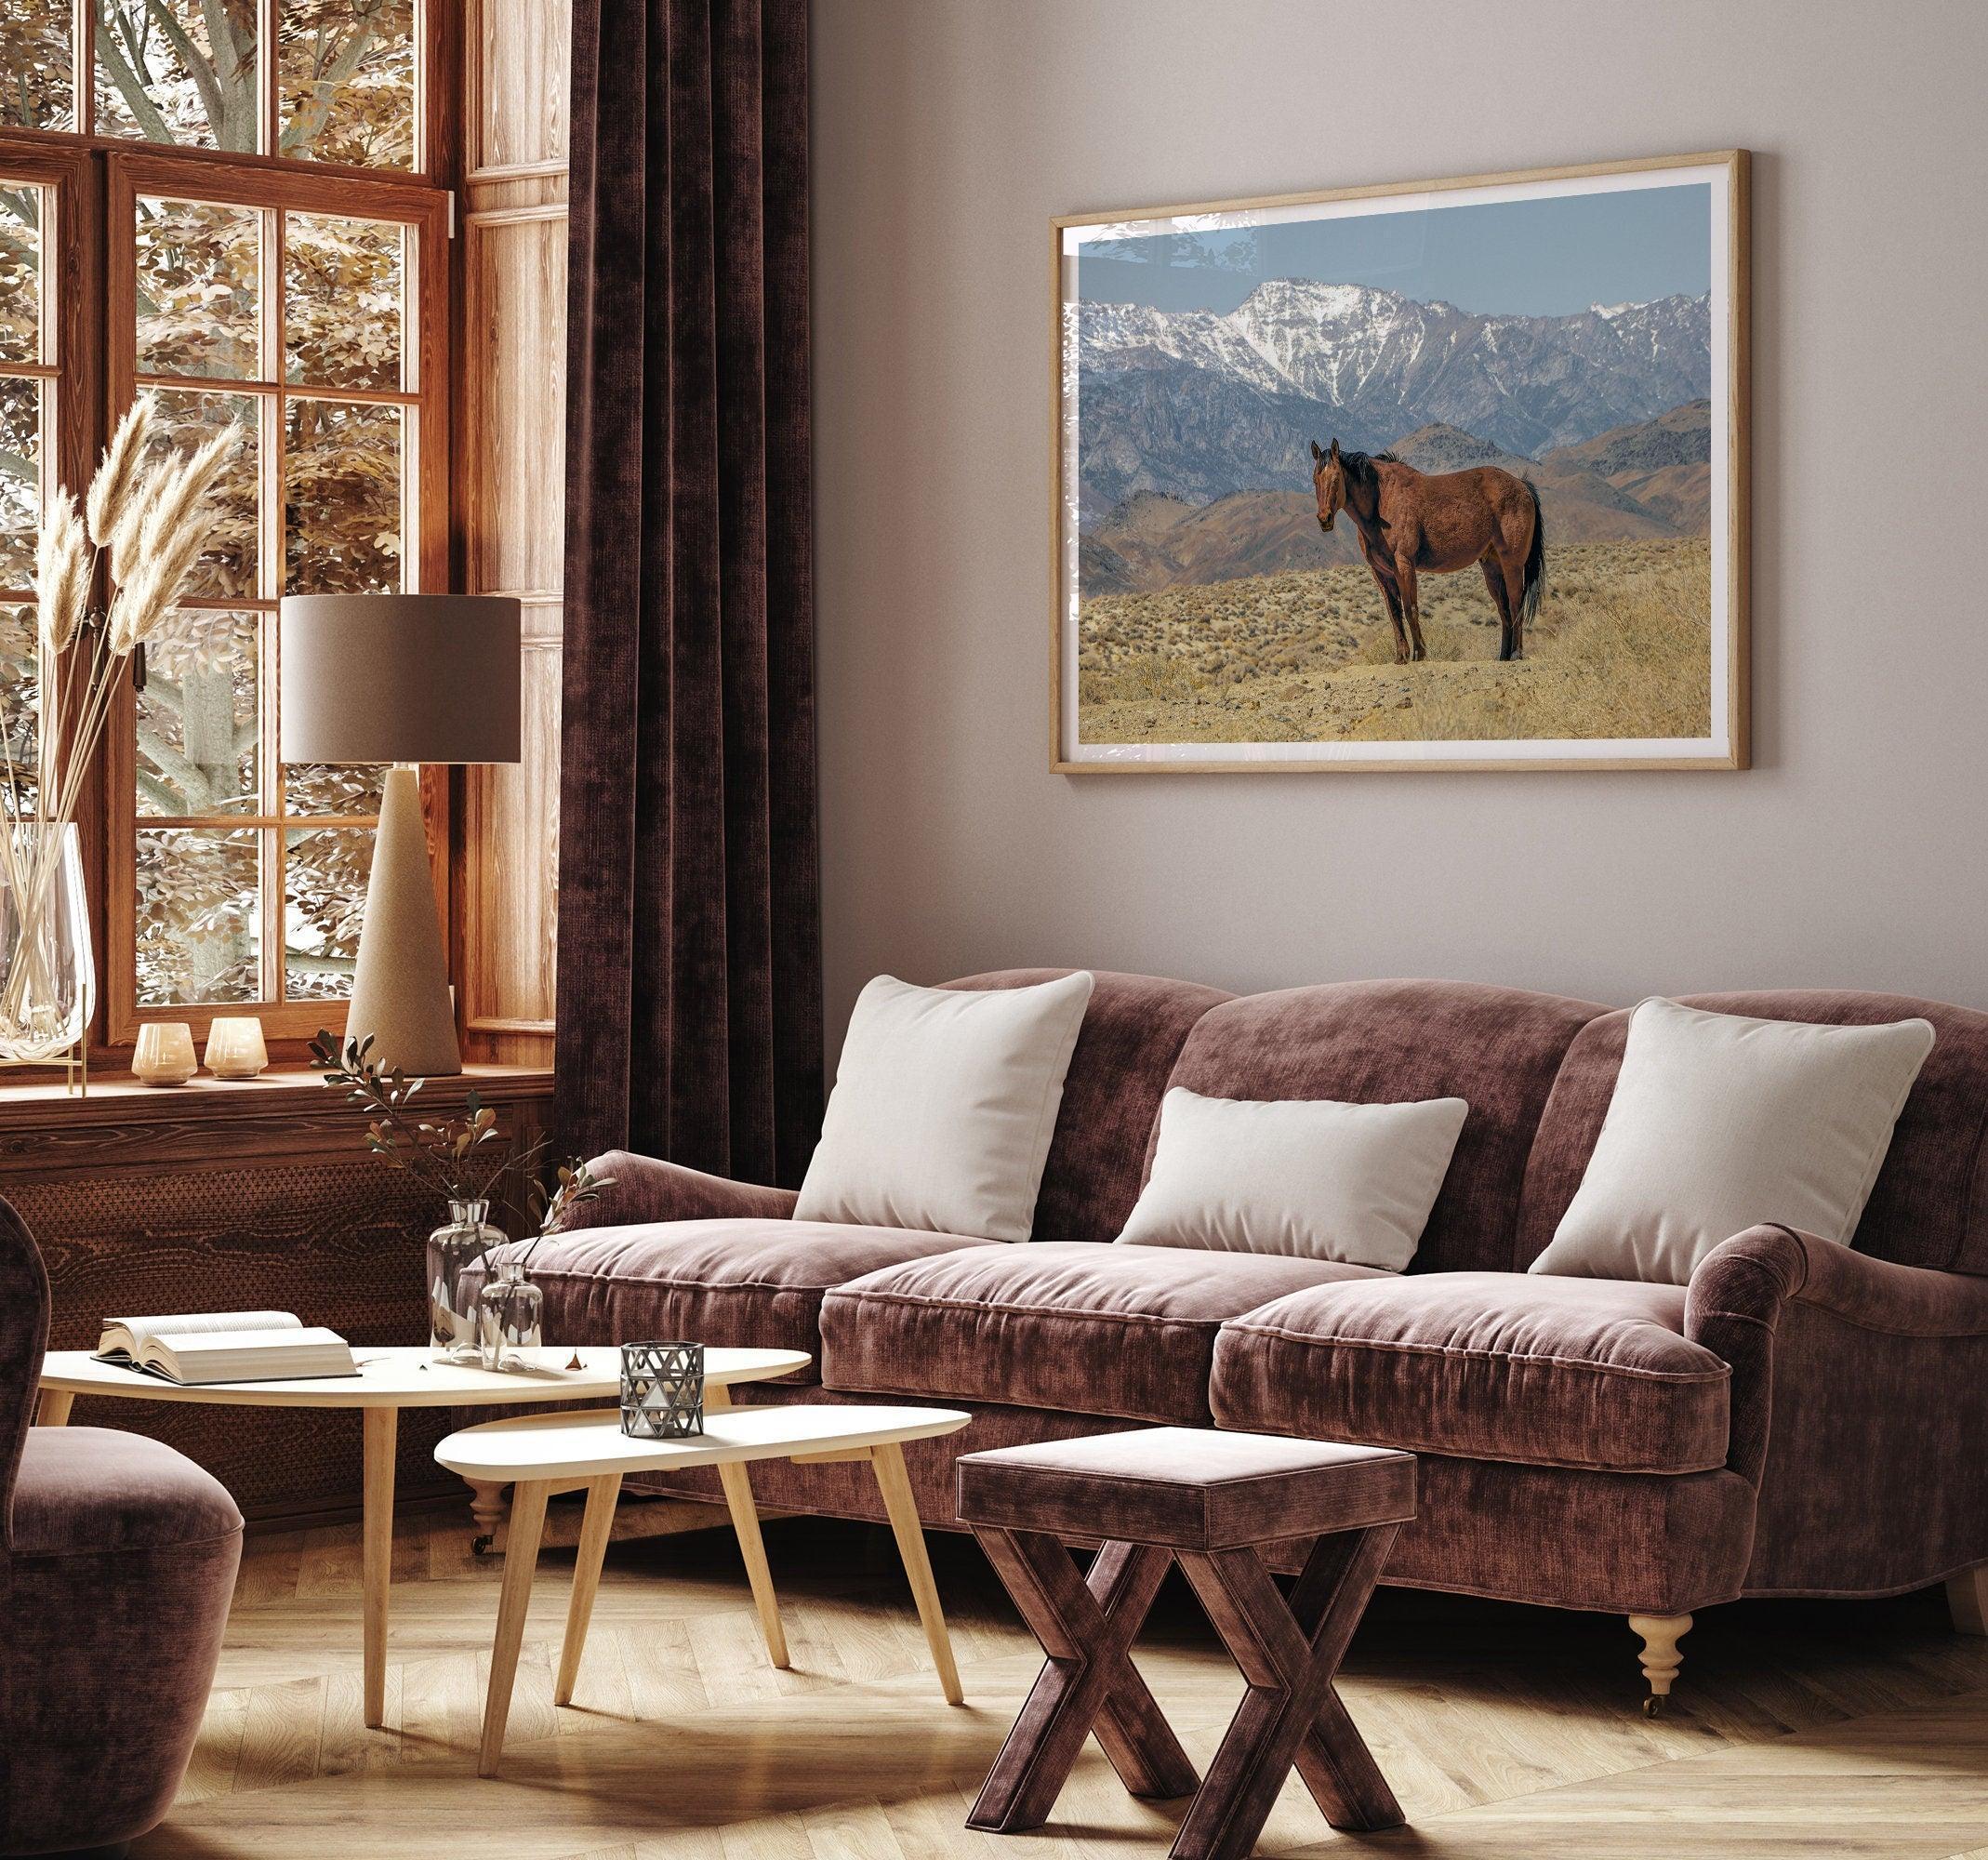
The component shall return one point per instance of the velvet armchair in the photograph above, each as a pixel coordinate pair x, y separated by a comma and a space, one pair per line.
117, 1561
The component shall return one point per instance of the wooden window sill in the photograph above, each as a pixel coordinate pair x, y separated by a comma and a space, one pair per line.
208, 1121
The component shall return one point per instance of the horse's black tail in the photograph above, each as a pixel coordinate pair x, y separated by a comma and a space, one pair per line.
1535, 580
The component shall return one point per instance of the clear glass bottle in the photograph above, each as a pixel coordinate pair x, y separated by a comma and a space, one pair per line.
510, 1314
454, 1247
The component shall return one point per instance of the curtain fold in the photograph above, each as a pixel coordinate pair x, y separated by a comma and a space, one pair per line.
689, 964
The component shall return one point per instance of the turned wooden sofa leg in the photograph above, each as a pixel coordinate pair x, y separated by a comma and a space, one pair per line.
488, 1512
1659, 1635
1967, 1599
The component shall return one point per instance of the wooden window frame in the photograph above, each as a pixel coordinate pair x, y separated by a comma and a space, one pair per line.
292, 189
437, 90
97, 360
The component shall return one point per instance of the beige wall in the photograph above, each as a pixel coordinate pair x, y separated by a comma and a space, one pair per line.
947, 132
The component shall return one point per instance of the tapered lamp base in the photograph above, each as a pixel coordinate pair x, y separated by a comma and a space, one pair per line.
401, 990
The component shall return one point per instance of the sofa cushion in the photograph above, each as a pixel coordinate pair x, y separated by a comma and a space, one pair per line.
1589, 1372
1125, 1331
1132, 1034
944, 1105
1928, 1205
1388, 1042
1722, 1121
738, 1283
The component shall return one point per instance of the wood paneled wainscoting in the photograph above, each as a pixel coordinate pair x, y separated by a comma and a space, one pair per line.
245, 1197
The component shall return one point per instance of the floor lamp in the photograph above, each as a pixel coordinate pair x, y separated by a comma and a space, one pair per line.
402, 679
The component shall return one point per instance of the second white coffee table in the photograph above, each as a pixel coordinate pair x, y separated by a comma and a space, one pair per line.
544, 1453
390, 1380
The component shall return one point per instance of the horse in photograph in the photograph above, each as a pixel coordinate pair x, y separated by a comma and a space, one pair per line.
1412, 523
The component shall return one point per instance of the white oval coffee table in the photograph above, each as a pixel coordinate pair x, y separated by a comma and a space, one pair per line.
392, 1378
546, 1453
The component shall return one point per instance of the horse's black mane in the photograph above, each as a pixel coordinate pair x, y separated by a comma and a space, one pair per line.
1358, 466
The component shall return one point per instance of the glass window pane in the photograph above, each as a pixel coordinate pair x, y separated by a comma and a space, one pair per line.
346, 72
21, 703
199, 283
20, 282
35, 90
20, 482
312, 790
227, 567
197, 717
199, 927
324, 874
342, 300
163, 78
342, 497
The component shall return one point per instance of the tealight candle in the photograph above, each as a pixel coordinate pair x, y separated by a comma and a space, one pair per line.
164, 1055
235, 1048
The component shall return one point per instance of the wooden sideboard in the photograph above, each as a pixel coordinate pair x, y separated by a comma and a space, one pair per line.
250, 1196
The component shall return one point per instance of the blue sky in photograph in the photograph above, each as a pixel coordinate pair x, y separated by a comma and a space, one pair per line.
1515, 257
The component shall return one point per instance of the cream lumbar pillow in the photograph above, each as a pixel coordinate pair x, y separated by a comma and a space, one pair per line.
1719, 1123
1314, 1179
944, 1105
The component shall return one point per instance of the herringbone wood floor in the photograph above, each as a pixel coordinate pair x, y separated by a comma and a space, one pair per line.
1799, 1729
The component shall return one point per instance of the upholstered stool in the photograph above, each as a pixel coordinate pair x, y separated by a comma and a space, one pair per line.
1205, 1500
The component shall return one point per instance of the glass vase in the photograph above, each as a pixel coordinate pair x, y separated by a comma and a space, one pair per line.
509, 1315
47, 972
452, 1249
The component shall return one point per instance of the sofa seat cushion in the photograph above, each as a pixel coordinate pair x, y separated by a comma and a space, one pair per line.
1588, 1372
737, 1283
1124, 1331
102, 1491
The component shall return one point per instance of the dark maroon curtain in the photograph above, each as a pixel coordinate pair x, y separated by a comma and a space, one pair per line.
689, 940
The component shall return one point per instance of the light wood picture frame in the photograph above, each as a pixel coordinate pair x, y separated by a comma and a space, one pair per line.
1520, 398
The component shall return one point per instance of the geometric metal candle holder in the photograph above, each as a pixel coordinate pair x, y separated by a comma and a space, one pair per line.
662, 1390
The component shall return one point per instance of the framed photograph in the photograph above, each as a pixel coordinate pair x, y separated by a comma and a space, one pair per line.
1449, 474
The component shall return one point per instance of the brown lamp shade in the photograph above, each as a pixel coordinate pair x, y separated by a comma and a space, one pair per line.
400, 678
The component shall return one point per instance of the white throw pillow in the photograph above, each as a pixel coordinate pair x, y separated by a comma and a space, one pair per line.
1310, 1178
944, 1105
1719, 1123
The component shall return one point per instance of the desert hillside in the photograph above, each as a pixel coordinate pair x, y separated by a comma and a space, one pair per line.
1621, 649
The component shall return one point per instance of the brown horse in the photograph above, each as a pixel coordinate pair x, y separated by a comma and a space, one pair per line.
1412, 523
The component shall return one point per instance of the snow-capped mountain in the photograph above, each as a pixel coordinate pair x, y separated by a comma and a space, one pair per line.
1194, 405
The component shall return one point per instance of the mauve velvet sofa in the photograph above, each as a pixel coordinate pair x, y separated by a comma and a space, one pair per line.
1802, 1419
117, 1561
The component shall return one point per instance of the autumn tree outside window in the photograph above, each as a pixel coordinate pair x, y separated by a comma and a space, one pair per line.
276, 261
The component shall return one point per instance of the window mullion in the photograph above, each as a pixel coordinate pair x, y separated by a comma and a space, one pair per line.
275, 423
267, 99
83, 64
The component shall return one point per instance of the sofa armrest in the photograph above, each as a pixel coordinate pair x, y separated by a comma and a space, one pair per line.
1741, 1297
647, 1189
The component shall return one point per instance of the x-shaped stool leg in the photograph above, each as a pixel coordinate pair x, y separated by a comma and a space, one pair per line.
1086, 1626
1288, 1653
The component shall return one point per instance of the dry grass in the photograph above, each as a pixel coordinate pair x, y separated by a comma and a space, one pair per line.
1621, 648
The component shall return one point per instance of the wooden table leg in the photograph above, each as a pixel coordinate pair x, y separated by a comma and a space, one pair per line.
55, 1405
596, 1527
1089, 1684
895, 1483
521, 1560
1290, 1716
381, 1429
738, 1484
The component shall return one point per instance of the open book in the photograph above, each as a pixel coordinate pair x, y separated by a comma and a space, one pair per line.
225, 1346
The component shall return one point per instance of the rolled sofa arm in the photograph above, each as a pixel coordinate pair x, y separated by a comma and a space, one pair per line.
647, 1189
1740, 1298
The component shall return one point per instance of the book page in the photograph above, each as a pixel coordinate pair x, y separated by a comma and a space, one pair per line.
143, 1330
